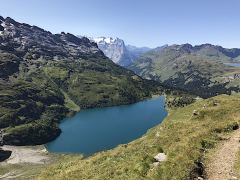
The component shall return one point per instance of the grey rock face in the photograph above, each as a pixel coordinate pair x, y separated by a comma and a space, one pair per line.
31, 42
117, 51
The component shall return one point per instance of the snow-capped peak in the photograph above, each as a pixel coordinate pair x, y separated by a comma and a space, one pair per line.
115, 49
107, 40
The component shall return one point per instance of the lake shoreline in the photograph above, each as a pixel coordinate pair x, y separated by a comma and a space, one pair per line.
140, 119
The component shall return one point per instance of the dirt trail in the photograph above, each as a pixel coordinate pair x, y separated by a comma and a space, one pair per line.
221, 164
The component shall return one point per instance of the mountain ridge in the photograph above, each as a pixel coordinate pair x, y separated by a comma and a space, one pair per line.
198, 69
46, 76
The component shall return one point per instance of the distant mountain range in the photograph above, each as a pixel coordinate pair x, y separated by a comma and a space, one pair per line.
201, 69
197, 69
118, 52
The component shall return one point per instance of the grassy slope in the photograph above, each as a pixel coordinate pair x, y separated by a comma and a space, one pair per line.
190, 71
97, 82
183, 137
35, 98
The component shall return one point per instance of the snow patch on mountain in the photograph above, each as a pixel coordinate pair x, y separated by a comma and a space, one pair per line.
117, 51
108, 40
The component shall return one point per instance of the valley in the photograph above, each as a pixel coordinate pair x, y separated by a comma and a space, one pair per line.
48, 76
91, 105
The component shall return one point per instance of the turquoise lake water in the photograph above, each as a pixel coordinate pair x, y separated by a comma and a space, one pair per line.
99, 129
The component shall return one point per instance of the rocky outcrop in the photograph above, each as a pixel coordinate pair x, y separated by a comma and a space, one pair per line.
9, 64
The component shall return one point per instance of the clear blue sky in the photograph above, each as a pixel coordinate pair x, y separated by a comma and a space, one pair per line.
139, 22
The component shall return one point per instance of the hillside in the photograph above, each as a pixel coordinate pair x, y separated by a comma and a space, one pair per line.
46, 76
197, 69
185, 137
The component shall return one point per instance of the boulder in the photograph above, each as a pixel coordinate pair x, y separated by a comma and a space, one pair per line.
195, 113
160, 157
157, 134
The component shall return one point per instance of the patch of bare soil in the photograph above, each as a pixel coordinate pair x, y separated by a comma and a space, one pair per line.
26, 155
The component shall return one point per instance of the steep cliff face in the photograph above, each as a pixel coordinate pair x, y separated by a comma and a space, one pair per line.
115, 49
118, 52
